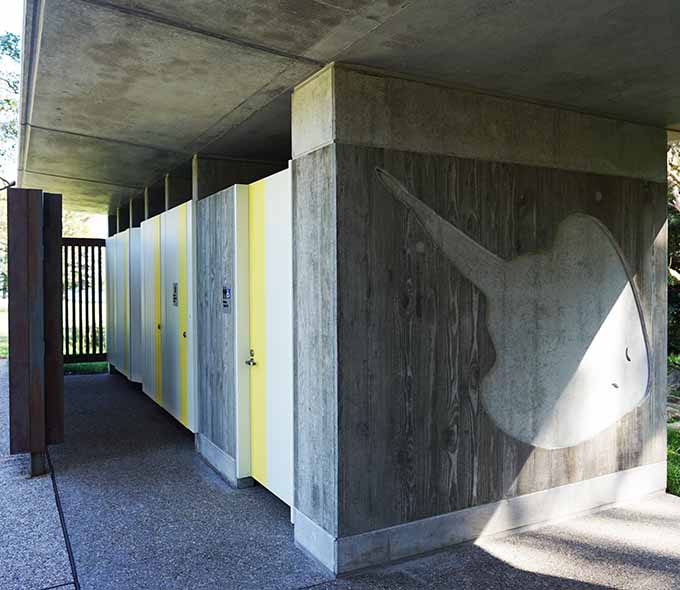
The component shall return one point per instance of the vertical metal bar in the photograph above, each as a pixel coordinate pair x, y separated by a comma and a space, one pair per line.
64, 294
93, 301
86, 301
73, 300
91, 331
95, 277
101, 315
80, 300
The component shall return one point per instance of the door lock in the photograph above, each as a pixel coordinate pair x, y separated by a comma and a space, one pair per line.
251, 361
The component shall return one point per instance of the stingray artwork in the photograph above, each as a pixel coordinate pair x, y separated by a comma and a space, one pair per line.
571, 345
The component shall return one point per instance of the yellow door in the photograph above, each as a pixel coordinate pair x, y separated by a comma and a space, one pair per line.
258, 410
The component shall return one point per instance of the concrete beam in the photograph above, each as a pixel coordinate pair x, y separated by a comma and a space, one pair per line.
211, 174
343, 104
178, 186
154, 199
136, 211
123, 213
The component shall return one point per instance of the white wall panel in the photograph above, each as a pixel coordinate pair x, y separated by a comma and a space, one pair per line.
169, 321
150, 273
135, 303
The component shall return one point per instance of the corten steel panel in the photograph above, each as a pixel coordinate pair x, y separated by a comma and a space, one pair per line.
27, 352
52, 283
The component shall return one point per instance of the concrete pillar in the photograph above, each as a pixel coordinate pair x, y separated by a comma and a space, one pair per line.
123, 213
457, 259
211, 174
136, 211
154, 199
178, 186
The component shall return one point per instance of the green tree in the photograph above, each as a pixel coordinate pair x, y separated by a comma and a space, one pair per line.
10, 54
9, 100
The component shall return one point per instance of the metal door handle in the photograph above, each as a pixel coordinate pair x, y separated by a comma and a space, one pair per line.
251, 361
184, 334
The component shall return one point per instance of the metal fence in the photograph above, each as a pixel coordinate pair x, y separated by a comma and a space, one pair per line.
84, 303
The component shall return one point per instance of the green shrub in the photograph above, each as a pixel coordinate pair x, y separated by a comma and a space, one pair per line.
673, 462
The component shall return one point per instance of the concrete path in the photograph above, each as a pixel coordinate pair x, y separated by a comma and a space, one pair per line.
33, 552
143, 511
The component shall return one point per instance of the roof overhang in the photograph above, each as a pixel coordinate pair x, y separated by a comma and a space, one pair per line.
115, 94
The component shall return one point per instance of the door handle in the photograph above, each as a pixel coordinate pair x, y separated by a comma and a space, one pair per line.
251, 361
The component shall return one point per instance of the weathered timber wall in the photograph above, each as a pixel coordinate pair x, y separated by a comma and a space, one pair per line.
215, 329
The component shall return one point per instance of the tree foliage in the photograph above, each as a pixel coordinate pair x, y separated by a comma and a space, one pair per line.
9, 98
674, 248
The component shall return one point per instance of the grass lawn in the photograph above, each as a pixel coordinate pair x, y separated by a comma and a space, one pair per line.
85, 368
674, 462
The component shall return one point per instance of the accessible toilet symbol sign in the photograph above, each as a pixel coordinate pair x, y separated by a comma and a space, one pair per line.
226, 299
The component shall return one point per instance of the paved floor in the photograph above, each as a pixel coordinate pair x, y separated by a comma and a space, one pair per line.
143, 511
33, 552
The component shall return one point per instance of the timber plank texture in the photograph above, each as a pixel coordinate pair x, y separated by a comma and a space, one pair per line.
315, 318
215, 250
412, 347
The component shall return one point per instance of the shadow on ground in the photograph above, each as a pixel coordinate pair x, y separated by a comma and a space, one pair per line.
143, 511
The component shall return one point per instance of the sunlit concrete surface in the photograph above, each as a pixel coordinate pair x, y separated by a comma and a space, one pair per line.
142, 510
636, 546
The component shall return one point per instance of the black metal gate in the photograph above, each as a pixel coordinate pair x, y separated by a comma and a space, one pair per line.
84, 305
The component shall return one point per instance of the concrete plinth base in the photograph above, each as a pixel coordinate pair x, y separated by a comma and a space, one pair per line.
346, 554
221, 462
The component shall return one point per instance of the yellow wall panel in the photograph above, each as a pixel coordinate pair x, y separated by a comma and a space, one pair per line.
258, 409
183, 308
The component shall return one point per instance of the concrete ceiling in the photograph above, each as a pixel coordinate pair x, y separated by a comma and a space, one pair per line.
118, 92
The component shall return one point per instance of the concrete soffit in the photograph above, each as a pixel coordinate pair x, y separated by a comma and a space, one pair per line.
283, 74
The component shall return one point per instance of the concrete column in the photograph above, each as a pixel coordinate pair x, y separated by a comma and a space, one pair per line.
178, 186
136, 211
211, 174
457, 259
154, 199
123, 213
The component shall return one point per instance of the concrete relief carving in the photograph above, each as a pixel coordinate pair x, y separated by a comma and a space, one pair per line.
571, 345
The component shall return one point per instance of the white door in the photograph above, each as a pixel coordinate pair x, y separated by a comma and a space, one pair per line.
150, 248
271, 333
135, 303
